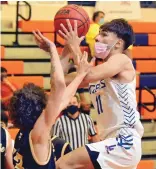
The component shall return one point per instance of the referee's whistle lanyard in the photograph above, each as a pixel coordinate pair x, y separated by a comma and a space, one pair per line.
102, 50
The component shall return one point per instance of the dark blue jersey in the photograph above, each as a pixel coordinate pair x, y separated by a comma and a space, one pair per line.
3, 146
23, 156
61, 147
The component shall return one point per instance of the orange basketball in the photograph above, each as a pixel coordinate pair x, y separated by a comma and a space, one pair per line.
72, 12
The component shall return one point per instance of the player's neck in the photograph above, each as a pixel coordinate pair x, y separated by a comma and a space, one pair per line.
114, 52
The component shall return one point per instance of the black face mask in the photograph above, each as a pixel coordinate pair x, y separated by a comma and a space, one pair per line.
72, 109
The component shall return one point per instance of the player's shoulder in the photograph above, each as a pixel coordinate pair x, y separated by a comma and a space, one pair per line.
120, 57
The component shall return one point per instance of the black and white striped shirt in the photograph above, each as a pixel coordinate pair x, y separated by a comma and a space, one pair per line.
74, 131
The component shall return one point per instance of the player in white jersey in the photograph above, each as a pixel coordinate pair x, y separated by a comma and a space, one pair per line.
112, 89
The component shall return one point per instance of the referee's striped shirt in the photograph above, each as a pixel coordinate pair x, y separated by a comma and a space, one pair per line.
74, 131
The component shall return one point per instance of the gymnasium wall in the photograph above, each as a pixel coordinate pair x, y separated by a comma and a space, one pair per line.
39, 12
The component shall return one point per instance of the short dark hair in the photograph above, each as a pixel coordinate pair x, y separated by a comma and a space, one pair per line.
4, 117
3, 70
122, 29
26, 105
96, 15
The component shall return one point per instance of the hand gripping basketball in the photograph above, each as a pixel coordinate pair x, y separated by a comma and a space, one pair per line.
71, 36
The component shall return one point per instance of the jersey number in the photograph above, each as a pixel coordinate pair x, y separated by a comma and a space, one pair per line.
99, 104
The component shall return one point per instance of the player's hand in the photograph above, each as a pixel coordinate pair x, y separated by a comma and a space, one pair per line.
71, 36
84, 66
42, 41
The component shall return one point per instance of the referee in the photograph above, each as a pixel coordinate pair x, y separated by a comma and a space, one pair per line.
75, 127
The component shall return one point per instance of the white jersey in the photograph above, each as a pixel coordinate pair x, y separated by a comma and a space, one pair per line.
116, 106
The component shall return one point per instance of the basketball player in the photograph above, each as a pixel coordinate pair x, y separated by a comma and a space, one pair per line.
112, 88
35, 114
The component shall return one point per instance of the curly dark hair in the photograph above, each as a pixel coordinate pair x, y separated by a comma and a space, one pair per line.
26, 105
122, 29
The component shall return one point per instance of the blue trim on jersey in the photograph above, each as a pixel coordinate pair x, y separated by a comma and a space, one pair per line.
93, 156
125, 141
129, 113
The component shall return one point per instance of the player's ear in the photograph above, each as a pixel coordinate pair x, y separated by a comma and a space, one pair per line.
119, 44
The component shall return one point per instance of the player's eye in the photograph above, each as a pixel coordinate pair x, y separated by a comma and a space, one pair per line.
104, 34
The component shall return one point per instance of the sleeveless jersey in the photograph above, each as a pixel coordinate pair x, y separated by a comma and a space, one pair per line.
61, 147
3, 145
23, 157
116, 106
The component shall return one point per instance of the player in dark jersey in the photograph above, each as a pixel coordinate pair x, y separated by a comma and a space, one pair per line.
61, 147
34, 113
6, 150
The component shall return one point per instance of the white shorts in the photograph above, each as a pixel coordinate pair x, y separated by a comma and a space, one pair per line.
121, 152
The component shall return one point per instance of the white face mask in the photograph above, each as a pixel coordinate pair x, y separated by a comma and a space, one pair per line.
102, 50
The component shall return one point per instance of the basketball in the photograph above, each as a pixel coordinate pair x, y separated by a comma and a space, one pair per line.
72, 12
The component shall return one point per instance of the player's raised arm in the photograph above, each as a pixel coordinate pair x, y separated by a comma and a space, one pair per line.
58, 87
108, 69
82, 70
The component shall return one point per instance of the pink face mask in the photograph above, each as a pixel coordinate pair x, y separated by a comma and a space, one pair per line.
102, 50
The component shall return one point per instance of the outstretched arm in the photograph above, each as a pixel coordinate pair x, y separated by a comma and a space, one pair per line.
47, 118
82, 70
106, 70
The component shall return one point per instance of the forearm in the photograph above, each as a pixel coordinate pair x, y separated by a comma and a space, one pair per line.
65, 59
76, 51
71, 90
57, 75
72, 87
70, 77
65, 63
57, 88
